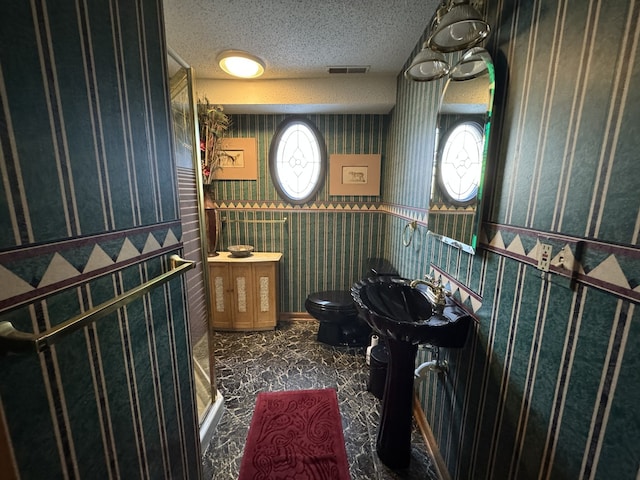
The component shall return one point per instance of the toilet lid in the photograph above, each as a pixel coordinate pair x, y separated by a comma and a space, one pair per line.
333, 299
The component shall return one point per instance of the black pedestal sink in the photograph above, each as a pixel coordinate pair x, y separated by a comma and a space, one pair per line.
405, 318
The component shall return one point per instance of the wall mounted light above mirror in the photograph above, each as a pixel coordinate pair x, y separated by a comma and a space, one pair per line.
462, 136
464, 119
455, 26
428, 65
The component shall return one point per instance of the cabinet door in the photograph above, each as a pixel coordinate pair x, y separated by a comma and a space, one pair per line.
266, 279
222, 316
243, 295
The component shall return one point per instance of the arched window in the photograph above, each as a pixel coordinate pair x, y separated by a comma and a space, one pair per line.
460, 165
297, 159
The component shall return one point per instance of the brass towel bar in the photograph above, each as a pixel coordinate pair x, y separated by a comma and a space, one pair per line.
282, 220
15, 341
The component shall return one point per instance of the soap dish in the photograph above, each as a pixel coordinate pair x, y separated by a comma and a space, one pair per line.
240, 250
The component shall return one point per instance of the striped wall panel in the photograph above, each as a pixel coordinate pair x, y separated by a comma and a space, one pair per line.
88, 211
343, 134
546, 385
113, 399
327, 244
322, 249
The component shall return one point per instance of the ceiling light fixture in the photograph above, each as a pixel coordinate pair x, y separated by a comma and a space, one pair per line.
241, 64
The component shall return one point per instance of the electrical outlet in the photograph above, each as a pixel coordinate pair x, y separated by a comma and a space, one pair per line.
544, 259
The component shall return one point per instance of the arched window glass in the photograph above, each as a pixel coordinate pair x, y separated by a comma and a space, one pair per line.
297, 160
461, 162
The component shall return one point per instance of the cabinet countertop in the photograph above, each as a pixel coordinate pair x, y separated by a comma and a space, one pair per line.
254, 257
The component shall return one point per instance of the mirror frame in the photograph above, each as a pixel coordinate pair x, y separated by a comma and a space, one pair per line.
468, 68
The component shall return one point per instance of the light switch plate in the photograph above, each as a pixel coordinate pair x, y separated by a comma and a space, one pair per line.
564, 260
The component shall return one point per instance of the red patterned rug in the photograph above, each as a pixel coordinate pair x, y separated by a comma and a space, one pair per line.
295, 435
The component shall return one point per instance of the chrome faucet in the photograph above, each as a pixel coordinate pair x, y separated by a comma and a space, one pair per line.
436, 292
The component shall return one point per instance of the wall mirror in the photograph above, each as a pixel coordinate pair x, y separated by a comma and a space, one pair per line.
460, 153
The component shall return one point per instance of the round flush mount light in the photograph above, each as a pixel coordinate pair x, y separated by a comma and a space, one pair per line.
241, 64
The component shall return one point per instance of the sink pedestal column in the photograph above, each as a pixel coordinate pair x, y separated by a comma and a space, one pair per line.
393, 444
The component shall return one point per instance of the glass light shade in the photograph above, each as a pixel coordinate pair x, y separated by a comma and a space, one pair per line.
426, 66
240, 64
472, 64
461, 27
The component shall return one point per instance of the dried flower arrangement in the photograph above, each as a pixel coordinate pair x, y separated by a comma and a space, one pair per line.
213, 123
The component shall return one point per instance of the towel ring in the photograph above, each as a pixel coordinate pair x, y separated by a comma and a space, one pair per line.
407, 241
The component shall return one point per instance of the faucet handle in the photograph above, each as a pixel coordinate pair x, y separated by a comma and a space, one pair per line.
433, 283
439, 290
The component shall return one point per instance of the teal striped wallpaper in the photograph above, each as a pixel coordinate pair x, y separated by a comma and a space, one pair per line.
327, 244
88, 211
547, 384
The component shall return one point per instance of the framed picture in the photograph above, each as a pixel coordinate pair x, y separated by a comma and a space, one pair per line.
238, 160
356, 174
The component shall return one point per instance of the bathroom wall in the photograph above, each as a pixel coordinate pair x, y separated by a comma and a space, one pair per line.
326, 244
88, 211
546, 386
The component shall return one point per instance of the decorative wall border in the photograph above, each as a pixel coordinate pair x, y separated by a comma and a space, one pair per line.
407, 213
466, 298
33, 272
278, 206
606, 266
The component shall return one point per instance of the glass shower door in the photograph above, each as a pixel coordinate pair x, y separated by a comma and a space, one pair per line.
191, 213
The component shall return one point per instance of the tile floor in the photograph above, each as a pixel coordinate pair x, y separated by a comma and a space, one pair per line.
290, 358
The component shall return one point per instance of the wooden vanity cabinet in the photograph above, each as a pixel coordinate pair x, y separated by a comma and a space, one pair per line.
244, 291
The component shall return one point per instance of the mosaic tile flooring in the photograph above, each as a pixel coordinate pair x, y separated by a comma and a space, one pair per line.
290, 358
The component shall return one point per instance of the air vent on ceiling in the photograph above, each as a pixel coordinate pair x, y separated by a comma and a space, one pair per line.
349, 69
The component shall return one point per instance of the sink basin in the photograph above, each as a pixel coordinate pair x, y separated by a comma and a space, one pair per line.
405, 318
396, 310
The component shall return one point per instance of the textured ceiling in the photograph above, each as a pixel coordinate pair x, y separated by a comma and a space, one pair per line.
298, 40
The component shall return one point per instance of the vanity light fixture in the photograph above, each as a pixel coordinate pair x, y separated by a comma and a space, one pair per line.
455, 25
472, 64
241, 64
459, 28
427, 65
